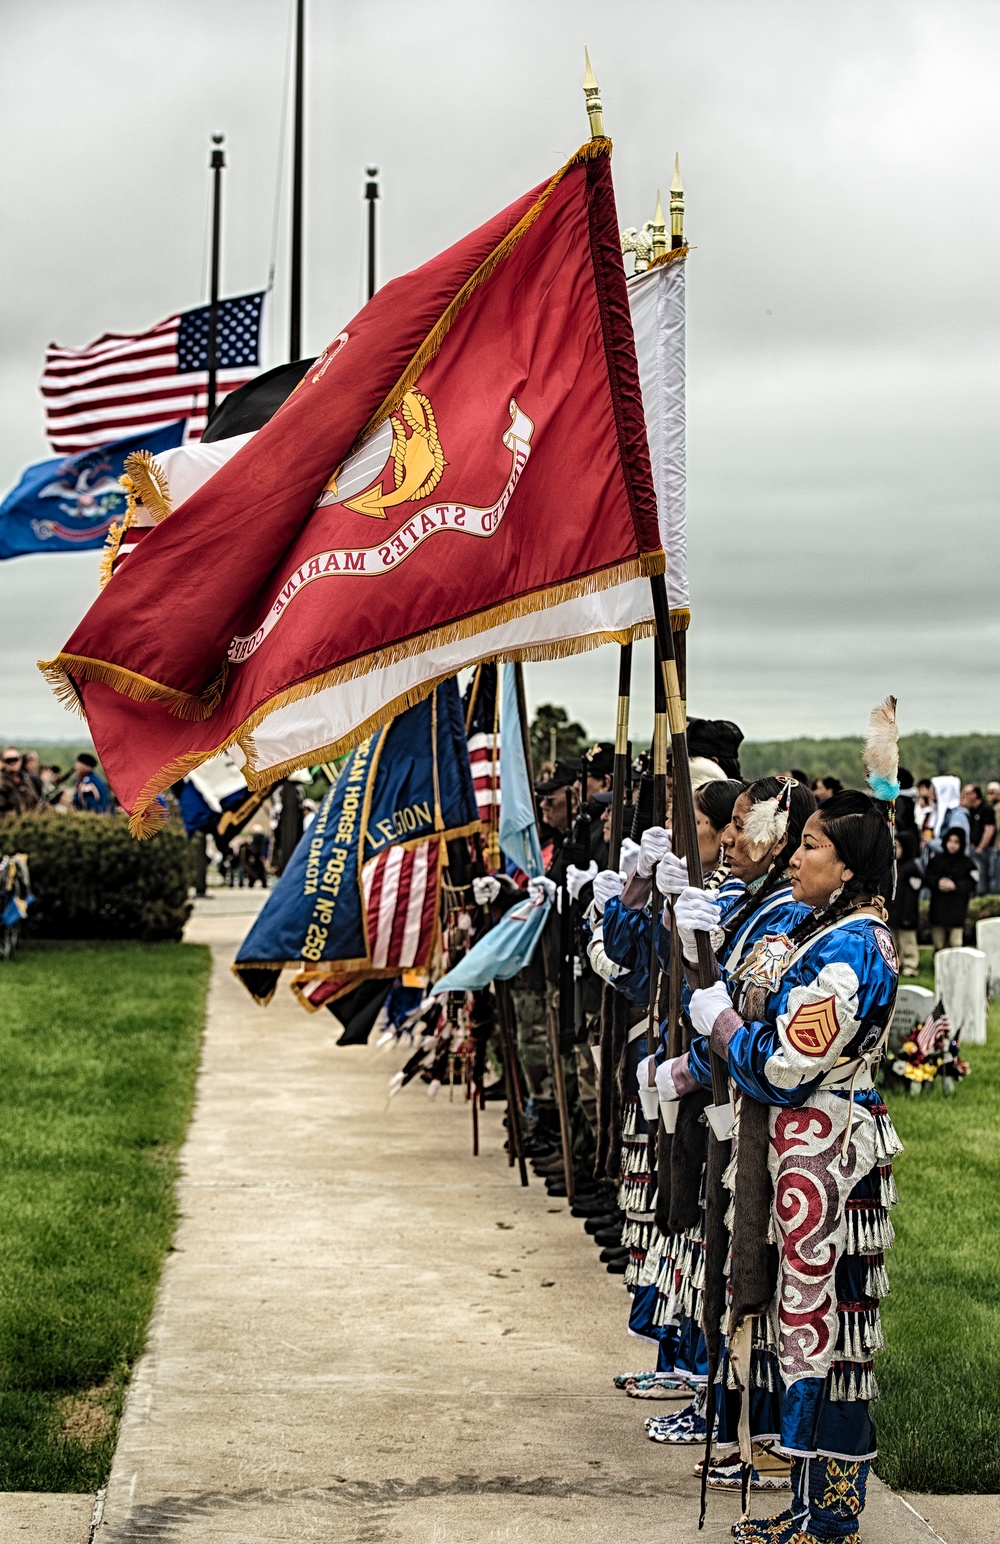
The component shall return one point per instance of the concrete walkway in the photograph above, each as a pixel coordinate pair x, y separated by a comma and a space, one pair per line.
365, 1334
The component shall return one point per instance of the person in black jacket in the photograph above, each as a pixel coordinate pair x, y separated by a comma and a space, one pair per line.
904, 907
951, 878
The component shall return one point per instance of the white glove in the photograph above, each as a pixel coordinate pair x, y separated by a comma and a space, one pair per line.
665, 1080
672, 875
543, 889
486, 890
694, 912
655, 844
607, 885
706, 1005
642, 1072
629, 856
576, 878
915, 883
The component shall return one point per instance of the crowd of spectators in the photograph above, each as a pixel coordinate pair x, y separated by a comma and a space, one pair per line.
947, 850
27, 784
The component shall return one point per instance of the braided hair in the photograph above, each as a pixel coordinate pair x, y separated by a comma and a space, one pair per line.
801, 804
861, 832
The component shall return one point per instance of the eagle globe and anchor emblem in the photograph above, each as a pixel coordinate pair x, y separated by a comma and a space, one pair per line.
409, 440
400, 464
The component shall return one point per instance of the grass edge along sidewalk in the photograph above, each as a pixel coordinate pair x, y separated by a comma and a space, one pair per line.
938, 1418
99, 1045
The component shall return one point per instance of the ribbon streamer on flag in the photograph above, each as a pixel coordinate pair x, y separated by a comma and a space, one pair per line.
657, 303
508, 947
482, 728
360, 894
464, 474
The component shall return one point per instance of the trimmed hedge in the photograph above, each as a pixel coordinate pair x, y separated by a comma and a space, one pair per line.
980, 907
92, 880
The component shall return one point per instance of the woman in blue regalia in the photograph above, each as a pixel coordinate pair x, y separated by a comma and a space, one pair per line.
620, 952
800, 1038
753, 898
765, 829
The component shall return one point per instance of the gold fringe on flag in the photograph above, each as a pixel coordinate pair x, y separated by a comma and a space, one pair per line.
672, 255
62, 671
145, 482
593, 150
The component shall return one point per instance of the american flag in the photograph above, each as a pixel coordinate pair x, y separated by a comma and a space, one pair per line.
401, 890
122, 384
935, 1032
483, 735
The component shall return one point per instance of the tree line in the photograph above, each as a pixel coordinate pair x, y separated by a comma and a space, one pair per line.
975, 758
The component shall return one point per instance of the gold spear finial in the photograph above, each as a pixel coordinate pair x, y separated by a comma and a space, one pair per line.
677, 205
592, 97
658, 229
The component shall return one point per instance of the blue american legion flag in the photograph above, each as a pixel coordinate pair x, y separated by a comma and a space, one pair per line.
126, 384
359, 896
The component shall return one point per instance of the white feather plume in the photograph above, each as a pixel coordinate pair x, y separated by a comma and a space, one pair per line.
881, 753
764, 828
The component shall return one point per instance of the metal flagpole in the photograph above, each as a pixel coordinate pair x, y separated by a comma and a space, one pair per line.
295, 302
371, 194
216, 163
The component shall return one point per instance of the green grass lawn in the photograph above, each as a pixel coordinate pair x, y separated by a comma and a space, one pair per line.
99, 1047
939, 1415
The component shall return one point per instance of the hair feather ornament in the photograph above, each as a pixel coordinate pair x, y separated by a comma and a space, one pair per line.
766, 823
881, 753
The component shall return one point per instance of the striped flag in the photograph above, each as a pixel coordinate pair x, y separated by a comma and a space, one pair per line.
935, 1033
123, 384
482, 728
402, 891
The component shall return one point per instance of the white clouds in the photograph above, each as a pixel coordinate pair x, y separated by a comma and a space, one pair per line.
840, 165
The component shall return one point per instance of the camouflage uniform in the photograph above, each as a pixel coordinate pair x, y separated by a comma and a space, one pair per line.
533, 1041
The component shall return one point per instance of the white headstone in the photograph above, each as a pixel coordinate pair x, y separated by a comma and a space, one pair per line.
988, 940
960, 981
913, 1004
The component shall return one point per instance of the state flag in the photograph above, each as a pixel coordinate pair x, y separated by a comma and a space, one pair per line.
70, 503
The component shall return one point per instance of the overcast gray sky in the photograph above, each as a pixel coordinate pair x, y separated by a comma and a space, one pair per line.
841, 169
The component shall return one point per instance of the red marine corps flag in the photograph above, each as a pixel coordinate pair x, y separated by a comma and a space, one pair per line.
463, 475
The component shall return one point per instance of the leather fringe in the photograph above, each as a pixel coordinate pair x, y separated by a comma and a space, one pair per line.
617, 1111
664, 1147
714, 1304
605, 1081
753, 1270
687, 1161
